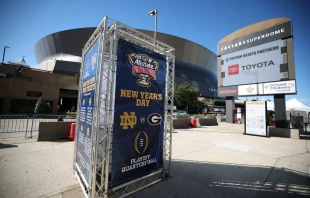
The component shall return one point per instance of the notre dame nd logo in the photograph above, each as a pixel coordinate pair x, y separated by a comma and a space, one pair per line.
128, 120
144, 67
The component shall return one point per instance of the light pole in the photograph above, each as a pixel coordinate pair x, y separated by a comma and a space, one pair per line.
154, 13
4, 53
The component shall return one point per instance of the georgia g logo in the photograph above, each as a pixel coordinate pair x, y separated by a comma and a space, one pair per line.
144, 67
154, 119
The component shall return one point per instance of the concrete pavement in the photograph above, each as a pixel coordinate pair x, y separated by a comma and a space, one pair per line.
214, 161
273, 167
33, 169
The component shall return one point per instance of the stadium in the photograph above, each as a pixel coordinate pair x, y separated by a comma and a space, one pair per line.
59, 56
61, 52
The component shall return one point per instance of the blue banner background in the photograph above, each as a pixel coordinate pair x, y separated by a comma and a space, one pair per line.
124, 169
84, 124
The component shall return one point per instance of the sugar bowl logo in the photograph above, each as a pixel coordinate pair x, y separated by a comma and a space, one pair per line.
144, 67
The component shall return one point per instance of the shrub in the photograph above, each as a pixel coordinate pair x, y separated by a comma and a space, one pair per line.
42, 107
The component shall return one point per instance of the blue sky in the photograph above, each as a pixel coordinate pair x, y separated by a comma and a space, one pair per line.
24, 22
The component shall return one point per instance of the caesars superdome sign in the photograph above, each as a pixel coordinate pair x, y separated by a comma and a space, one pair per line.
271, 34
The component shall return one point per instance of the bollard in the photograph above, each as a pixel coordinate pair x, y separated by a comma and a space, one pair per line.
193, 122
72, 132
238, 121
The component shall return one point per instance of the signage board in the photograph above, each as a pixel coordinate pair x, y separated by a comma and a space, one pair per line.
228, 91
282, 87
279, 87
255, 122
246, 90
258, 64
138, 128
86, 106
277, 32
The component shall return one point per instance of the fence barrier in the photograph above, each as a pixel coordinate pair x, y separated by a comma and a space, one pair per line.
187, 116
25, 123
13, 123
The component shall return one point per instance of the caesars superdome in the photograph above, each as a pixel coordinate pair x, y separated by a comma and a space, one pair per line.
61, 52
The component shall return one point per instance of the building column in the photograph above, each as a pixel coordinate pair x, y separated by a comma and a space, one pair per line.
280, 110
230, 109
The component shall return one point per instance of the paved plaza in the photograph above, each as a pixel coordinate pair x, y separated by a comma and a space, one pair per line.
214, 161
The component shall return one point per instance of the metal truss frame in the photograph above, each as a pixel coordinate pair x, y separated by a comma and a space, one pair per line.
109, 32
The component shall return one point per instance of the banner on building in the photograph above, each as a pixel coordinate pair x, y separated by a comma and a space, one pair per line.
259, 64
276, 32
137, 146
281, 87
228, 91
247, 90
86, 106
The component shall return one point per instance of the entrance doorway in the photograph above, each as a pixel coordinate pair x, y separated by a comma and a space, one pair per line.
67, 100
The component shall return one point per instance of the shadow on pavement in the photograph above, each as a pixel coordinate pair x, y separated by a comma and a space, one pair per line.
4, 146
197, 179
58, 141
305, 136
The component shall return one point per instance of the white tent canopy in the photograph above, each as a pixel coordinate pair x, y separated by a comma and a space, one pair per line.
21, 62
270, 105
292, 104
296, 105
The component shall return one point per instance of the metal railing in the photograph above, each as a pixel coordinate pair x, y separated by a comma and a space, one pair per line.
24, 123
13, 123
200, 116
188, 116
182, 116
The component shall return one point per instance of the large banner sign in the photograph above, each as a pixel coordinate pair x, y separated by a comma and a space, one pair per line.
277, 32
139, 113
263, 63
255, 122
84, 124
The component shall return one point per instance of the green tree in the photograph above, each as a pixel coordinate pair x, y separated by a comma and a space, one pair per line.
209, 101
186, 97
41, 107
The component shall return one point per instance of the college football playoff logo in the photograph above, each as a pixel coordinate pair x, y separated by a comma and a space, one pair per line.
144, 67
141, 142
